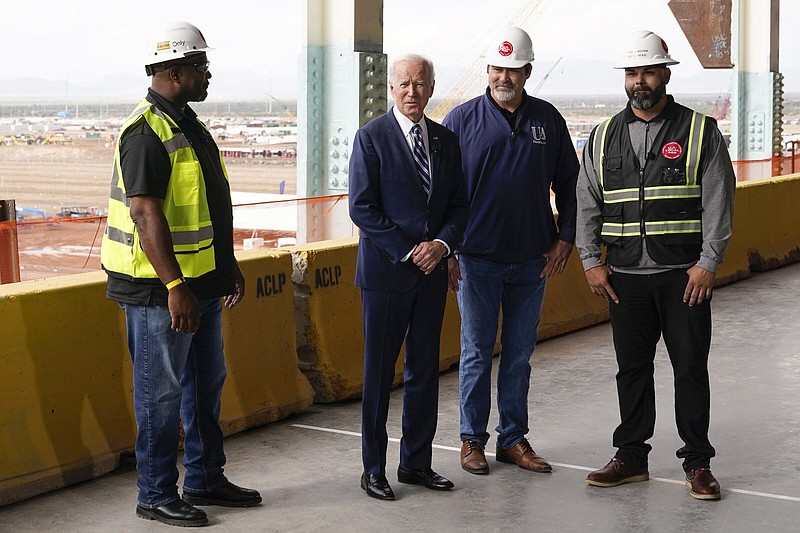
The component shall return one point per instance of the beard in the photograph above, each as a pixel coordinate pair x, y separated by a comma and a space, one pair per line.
504, 96
648, 100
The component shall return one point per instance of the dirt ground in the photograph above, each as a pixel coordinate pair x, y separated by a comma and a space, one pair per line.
49, 177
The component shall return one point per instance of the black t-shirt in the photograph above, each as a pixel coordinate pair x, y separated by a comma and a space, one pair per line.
146, 170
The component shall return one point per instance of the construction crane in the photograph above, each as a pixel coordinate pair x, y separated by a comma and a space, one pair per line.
286, 109
470, 83
721, 112
544, 79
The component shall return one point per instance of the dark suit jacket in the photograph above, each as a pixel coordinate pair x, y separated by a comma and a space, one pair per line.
388, 204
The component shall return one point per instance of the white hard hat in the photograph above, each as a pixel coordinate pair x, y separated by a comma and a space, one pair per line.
511, 47
645, 48
174, 40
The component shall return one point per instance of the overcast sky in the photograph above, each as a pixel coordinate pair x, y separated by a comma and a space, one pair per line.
84, 40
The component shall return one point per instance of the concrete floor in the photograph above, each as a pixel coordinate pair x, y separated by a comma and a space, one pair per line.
307, 467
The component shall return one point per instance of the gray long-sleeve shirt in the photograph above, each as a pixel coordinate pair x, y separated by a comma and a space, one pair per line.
718, 187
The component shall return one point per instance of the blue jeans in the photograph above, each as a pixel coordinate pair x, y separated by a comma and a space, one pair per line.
176, 377
485, 289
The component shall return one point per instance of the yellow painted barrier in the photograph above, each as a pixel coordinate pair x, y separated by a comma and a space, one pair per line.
569, 305
330, 342
264, 382
66, 412
450, 344
766, 228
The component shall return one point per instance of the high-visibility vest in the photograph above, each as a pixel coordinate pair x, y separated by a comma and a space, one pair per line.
185, 207
660, 202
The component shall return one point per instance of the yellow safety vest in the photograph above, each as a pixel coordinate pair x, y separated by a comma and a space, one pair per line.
185, 207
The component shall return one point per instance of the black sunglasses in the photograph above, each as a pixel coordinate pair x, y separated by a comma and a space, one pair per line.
200, 67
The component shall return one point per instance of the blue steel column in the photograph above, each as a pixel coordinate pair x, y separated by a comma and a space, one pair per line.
342, 85
757, 95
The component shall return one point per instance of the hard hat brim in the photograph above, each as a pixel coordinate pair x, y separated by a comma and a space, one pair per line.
510, 63
633, 63
155, 60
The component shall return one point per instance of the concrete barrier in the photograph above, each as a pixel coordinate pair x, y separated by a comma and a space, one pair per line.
766, 228
330, 343
66, 413
264, 383
569, 305
330, 339
67, 410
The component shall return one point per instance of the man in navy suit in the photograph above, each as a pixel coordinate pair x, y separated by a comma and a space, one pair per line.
408, 197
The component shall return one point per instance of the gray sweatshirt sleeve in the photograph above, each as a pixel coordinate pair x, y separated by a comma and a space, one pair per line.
589, 221
718, 186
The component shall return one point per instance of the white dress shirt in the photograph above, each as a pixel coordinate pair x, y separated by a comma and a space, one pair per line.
405, 126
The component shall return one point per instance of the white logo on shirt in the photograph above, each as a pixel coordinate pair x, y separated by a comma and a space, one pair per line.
539, 135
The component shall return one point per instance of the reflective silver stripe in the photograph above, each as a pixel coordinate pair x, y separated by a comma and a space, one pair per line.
620, 195
598, 148
192, 237
673, 226
141, 108
668, 192
114, 175
117, 194
177, 142
663, 227
620, 230
117, 235
695, 143
157, 112
178, 237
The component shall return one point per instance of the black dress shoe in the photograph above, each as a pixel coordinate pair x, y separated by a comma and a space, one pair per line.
228, 495
376, 486
426, 478
176, 513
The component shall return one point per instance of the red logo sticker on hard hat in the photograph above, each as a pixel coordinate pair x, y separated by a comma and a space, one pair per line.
664, 46
672, 150
505, 49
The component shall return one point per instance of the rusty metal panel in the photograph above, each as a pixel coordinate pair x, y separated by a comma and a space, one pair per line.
707, 26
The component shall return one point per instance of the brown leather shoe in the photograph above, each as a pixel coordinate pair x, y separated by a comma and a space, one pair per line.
473, 460
523, 456
616, 473
702, 484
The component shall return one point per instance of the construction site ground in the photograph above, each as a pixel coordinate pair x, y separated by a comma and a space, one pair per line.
47, 178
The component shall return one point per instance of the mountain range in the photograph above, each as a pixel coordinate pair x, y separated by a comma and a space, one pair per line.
563, 78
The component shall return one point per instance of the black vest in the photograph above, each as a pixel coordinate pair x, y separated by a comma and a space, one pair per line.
660, 202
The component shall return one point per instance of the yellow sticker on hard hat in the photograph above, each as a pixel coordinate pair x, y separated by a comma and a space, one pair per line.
163, 45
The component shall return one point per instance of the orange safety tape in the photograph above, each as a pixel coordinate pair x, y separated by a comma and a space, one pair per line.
314, 200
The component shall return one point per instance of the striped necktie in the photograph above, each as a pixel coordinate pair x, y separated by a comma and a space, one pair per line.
421, 159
